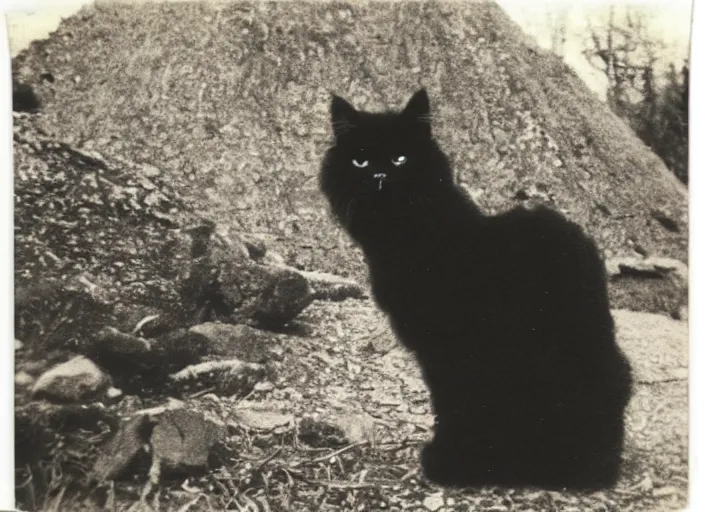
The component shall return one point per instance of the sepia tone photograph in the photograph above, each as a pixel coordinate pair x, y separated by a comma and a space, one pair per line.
351, 256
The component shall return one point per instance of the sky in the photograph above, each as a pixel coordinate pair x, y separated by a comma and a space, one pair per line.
668, 21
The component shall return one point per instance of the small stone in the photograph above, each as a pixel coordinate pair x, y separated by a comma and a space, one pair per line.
264, 386
262, 419
418, 409
23, 379
113, 393
150, 171
433, 502
665, 491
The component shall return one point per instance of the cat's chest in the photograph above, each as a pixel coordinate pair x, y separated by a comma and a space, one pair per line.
420, 282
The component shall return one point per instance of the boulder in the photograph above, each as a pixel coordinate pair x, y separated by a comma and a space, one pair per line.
657, 346
336, 430
183, 440
331, 287
180, 440
135, 361
229, 377
52, 314
76, 380
236, 341
221, 282
266, 296
123, 449
654, 284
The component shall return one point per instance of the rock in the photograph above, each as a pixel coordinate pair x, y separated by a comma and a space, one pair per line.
657, 346
236, 341
51, 314
268, 296
331, 287
266, 420
332, 431
264, 386
114, 394
219, 282
255, 247
135, 362
24, 99
357, 427
179, 348
76, 380
434, 502
19, 345
274, 259
652, 267
41, 426
23, 379
230, 377
150, 171
182, 440
121, 451
115, 344
656, 285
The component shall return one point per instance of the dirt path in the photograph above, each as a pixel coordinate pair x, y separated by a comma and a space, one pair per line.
346, 364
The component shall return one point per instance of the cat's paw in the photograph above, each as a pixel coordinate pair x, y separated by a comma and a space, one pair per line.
446, 465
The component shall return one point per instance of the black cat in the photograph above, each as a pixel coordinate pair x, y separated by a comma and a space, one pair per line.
508, 315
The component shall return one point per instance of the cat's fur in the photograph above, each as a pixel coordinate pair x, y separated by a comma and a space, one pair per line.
508, 315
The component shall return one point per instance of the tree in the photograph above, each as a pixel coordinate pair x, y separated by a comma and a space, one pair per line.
654, 103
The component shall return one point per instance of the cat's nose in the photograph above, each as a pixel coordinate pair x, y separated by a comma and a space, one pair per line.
380, 176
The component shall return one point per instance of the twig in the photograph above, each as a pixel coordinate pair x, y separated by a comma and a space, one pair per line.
143, 322
409, 474
337, 452
269, 458
55, 506
202, 392
347, 485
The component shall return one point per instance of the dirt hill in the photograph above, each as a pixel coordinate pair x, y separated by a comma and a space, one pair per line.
231, 101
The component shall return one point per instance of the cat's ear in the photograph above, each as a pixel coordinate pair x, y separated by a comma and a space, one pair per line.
418, 108
343, 116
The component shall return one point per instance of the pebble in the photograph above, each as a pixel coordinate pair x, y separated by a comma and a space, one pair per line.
433, 503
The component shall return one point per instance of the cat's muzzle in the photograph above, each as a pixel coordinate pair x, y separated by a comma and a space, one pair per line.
380, 176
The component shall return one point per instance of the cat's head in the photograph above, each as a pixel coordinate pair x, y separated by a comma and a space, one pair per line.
385, 152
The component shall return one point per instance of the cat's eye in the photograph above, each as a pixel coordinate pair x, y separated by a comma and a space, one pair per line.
360, 164
399, 160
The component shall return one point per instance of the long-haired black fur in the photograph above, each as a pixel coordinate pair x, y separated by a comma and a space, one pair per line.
507, 315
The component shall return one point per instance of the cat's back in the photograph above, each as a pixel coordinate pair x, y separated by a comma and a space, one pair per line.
537, 231
535, 248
